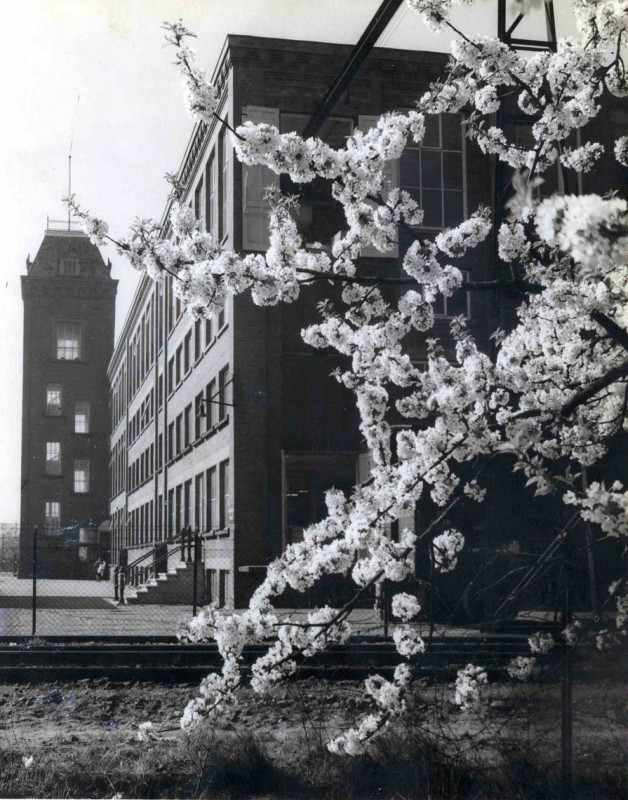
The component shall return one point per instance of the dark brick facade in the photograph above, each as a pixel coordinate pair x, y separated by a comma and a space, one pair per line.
87, 301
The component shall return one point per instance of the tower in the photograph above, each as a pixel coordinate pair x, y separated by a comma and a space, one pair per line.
69, 313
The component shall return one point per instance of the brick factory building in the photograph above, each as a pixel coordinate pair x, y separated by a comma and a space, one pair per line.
69, 308
232, 425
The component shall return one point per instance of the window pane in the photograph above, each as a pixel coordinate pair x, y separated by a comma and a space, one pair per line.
432, 133
409, 166
69, 266
52, 515
452, 170
53, 458
453, 208
433, 215
457, 304
68, 341
452, 132
430, 169
53, 399
81, 416
81, 477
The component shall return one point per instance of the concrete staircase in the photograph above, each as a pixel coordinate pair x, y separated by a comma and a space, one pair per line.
174, 587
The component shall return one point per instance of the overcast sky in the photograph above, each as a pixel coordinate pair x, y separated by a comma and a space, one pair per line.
96, 73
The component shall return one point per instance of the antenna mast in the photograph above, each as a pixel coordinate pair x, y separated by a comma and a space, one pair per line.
69, 181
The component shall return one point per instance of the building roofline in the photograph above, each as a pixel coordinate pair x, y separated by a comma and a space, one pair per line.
197, 135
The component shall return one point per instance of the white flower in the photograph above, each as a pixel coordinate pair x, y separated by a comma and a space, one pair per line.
408, 641
447, 547
541, 642
405, 606
145, 731
522, 669
621, 150
469, 683
27, 761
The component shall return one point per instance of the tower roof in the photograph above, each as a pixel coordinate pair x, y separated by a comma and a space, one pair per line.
68, 253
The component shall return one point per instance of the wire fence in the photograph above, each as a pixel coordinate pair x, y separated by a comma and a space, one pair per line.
54, 585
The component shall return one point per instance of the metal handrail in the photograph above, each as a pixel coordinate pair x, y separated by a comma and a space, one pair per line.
152, 552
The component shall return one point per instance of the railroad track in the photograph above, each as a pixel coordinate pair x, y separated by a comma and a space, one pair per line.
64, 659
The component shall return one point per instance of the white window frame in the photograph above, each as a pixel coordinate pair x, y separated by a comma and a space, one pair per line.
85, 417
54, 409
67, 348
80, 476
53, 458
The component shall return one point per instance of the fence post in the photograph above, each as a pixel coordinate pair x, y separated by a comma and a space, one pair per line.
195, 574
116, 583
121, 577
566, 749
34, 599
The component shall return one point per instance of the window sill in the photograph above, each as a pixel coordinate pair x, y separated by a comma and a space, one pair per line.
52, 475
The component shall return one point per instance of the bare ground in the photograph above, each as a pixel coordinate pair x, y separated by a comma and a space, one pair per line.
89, 729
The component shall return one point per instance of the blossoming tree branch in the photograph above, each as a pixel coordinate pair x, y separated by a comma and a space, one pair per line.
548, 399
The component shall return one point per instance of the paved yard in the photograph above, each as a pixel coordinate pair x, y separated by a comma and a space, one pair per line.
87, 608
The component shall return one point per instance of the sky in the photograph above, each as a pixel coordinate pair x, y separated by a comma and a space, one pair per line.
96, 76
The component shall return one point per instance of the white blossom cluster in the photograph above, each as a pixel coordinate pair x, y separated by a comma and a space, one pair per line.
447, 546
607, 508
553, 392
541, 642
469, 683
522, 668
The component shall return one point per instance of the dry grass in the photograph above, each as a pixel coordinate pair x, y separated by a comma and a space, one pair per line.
276, 748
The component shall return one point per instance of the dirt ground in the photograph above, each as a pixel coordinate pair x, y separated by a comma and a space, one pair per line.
56, 720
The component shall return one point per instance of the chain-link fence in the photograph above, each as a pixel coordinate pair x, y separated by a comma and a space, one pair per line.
55, 584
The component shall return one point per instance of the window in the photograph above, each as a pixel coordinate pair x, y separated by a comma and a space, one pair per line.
69, 266
208, 332
178, 433
186, 353
199, 497
198, 331
53, 399
81, 477
210, 400
187, 425
187, 502
199, 204
68, 341
224, 512
223, 177
81, 416
170, 510
223, 382
199, 414
212, 498
223, 588
177, 362
211, 197
53, 458
455, 306
222, 318
171, 375
319, 217
52, 515
178, 507
432, 171
170, 441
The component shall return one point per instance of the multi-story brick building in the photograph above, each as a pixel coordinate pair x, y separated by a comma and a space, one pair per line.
69, 307
232, 425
